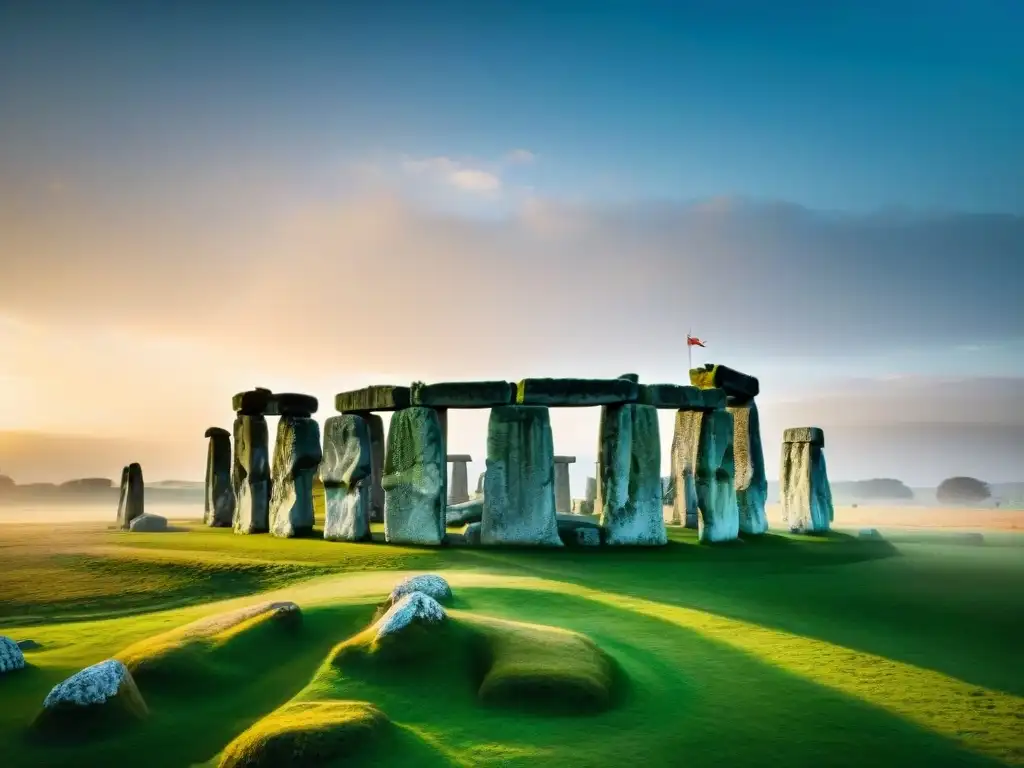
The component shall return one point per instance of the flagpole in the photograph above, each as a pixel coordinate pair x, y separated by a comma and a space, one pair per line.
689, 353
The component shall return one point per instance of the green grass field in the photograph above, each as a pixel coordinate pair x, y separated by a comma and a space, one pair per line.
783, 651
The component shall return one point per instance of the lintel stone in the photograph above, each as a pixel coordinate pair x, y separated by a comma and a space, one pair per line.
575, 393
461, 394
454, 457
379, 397
813, 435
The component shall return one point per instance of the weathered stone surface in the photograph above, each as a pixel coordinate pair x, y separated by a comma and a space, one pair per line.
519, 489
563, 492
480, 484
471, 534
11, 657
704, 470
813, 435
414, 478
414, 607
634, 377
685, 442
629, 458
588, 537
219, 511
108, 684
254, 402
804, 488
570, 393
571, 526
668, 491
458, 491
297, 456
379, 397
591, 490
461, 394
429, 584
675, 397
468, 512
292, 404
250, 475
148, 523
735, 384
347, 474
751, 480
377, 442
132, 501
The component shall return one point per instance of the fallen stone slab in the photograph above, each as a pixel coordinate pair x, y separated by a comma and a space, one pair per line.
253, 402
676, 397
132, 500
471, 511
804, 487
735, 384
250, 475
575, 393
11, 656
297, 456
347, 474
414, 478
751, 479
461, 394
814, 435
219, 495
292, 404
148, 523
379, 397
107, 687
519, 489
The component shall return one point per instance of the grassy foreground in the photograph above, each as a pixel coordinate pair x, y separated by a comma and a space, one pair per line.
786, 650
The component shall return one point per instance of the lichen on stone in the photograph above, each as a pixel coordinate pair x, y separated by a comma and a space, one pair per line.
11, 657
414, 478
429, 584
414, 607
92, 685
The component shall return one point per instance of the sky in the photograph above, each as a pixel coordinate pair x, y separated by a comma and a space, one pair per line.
196, 200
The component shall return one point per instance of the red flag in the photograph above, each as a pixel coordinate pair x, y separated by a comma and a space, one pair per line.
693, 341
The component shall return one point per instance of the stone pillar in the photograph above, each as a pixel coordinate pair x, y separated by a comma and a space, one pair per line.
590, 496
375, 425
480, 484
704, 470
519, 489
219, 510
685, 442
563, 493
347, 474
751, 480
414, 478
131, 503
804, 487
297, 455
251, 474
630, 476
458, 493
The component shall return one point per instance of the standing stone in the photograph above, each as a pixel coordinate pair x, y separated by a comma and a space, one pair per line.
376, 426
751, 480
804, 487
347, 474
519, 489
685, 443
704, 470
630, 476
220, 496
297, 455
131, 503
563, 494
480, 484
459, 490
251, 474
413, 479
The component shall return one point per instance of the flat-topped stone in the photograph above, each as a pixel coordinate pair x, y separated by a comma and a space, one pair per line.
292, 404
575, 393
682, 398
737, 385
461, 394
453, 457
565, 459
630, 377
216, 432
813, 435
379, 397
253, 402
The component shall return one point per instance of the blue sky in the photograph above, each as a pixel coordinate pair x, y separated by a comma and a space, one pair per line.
826, 191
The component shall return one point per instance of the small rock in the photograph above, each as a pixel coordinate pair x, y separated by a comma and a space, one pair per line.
429, 584
147, 523
29, 645
94, 685
11, 657
413, 607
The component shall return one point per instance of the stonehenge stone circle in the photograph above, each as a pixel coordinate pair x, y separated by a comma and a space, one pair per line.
519, 489
563, 494
297, 455
803, 483
413, 480
347, 474
629, 452
219, 511
458, 492
131, 503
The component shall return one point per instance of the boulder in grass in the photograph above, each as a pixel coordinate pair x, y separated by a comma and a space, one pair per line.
148, 523
414, 608
428, 583
461, 394
570, 393
104, 693
379, 397
11, 657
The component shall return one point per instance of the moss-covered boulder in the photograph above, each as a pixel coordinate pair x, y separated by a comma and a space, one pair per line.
99, 699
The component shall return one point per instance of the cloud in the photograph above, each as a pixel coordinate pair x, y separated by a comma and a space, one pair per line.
455, 173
